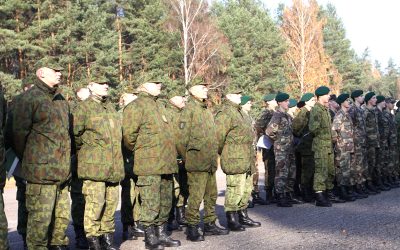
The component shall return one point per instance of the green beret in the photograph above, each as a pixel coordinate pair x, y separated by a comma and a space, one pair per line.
281, 97
292, 103
368, 96
342, 98
245, 99
306, 97
380, 98
269, 97
356, 93
323, 90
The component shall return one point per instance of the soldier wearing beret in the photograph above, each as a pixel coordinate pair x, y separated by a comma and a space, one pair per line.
301, 130
321, 128
393, 147
235, 140
333, 106
397, 122
148, 135
292, 111
267, 154
41, 139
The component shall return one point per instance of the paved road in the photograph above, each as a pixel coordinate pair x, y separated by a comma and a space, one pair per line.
372, 223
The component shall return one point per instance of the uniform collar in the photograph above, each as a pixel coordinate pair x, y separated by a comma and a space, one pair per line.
145, 94
46, 88
199, 102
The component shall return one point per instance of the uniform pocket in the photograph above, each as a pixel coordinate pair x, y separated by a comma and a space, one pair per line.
33, 189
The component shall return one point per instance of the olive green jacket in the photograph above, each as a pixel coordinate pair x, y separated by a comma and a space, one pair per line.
300, 129
97, 132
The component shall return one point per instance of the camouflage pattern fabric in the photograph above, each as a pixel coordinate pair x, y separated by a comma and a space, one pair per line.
280, 131
41, 135
202, 187
250, 123
148, 135
384, 152
238, 191
3, 218
101, 203
320, 127
343, 138
3, 225
130, 205
49, 212
156, 195
371, 129
392, 144
97, 132
262, 122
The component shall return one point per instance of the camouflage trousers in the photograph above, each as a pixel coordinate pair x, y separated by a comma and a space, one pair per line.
344, 163
77, 202
130, 201
324, 174
156, 196
238, 191
49, 211
101, 203
3, 225
202, 186
269, 164
394, 151
285, 171
373, 169
307, 171
384, 161
255, 178
361, 173
22, 211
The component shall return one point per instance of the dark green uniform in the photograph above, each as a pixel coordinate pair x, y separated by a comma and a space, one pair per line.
3, 218
41, 138
148, 134
373, 138
200, 152
235, 140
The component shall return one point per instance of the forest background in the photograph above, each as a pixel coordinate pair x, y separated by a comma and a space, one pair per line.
227, 42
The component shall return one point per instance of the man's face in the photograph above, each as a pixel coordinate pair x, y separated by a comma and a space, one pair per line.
272, 104
346, 104
381, 105
372, 101
324, 100
284, 105
360, 99
235, 98
199, 91
389, 105
99, 89
83, 94
333, 105
49, 76
128, 98
311, 102
152, 88
178, 101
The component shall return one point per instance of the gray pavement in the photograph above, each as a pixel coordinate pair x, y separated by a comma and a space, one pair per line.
372, 223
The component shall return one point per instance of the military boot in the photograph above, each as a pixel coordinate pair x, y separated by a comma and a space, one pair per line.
137, 229
193, 233
283, 201
233, 221
257, 198
380, 185
351, 192
245, 220
212, 229
80, 238
151, 240
294, 199
173, 225
307, 194
164, 239
332, 197
58, 247
321, 200
107, 242
358, 190
391, 182
372, 189
344, 195
270, 196
94, 243
127, 232
180, 216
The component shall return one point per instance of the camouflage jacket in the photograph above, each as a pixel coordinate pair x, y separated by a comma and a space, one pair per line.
41, 135
342, 132
97, 132
321, 129
200, 148
397, 121
301, 129
3, 112
360, 134
371, 127
174, 114
262, 122
235, 139
148, 135
279, 129
383, 127
251, 123
392, 128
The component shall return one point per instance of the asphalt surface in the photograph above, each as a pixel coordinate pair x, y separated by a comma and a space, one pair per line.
372, 223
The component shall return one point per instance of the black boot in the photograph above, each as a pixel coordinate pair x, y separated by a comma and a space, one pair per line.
180, 216
173, 225
307, 194
257, 198
283, 201
24, 240
127, 233
151, 240
321, 200
358, 190
107, 242
58, 247
164, 239
233, 221
137, 229
212, 229
333, 198
94, 243
193, 233
270, 196
372, 189
381, 186
351, 192
80, 238
391, 182
344, 195
245, 220
293, 198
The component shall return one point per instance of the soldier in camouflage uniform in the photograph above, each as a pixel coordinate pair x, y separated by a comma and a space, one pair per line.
148, 135
393, 146
200, 153
301, 130
279, 129
235, 140
321, 129
361, 174
267, 154
3, 218
397, 122
97, 132
41, 139
343, 141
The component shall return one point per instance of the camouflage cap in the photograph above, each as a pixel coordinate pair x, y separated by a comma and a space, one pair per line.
196, 81
99, 79
48, 63
174, 93
231, 89
130, 89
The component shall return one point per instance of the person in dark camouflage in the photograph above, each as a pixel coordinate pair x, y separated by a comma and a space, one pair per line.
41, 139
148, 135
3, 218
393, 145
